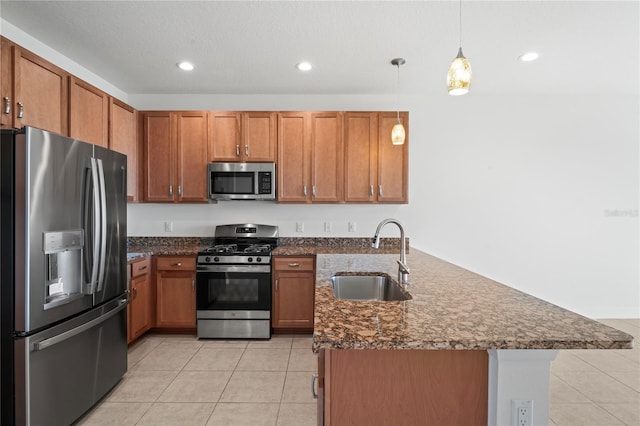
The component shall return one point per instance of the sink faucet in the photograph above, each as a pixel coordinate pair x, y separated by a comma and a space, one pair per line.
403, 269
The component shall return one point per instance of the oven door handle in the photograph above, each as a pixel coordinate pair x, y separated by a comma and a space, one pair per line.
235, 268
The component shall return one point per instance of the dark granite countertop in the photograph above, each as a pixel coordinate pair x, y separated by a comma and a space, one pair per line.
451, 308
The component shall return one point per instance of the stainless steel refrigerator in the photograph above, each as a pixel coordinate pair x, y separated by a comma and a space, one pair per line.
63, 292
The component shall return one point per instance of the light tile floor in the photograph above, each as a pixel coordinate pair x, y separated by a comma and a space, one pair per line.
180, 380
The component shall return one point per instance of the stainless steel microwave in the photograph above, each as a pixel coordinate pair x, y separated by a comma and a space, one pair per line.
241, 181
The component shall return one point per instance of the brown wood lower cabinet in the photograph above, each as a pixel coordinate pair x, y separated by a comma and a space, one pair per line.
402, 387
176, 294
294, 284
141, 302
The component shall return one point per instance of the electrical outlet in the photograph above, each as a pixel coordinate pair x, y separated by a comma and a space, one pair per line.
168, 227
522, 412
299, 226
327, 227
352, 227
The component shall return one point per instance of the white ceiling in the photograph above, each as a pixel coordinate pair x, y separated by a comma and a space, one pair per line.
242, 47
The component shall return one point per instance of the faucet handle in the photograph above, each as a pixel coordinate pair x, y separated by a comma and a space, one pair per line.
403, 267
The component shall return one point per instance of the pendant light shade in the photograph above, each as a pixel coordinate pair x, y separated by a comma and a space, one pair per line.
397, 132
459, 75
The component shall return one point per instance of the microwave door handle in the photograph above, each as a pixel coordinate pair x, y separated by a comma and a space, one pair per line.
103, 225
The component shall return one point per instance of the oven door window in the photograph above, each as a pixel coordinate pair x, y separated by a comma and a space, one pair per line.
233, 291
232, 182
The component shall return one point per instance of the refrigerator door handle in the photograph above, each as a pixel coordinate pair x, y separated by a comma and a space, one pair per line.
46, 343
93, 279
103, 226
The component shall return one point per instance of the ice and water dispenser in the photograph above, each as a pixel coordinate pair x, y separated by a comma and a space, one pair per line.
64, 274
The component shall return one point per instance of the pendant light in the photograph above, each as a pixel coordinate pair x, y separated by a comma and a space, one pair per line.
459, 75
397, 132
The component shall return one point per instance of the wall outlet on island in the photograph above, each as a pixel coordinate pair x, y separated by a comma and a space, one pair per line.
522, 412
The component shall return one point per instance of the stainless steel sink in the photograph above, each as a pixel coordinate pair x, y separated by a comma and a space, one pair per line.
367, 287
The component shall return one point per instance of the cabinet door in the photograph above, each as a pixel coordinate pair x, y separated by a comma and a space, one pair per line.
361, 141
88, 113
224, 142
259, 136
159, 156
293, 183
326, 157
6, 83
140, 308
40, 90
192, 156
393, 161
176, 304
123, 137
293, 300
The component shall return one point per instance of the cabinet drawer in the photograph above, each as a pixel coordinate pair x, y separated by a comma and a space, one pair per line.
140, 267
287, 263
182, 263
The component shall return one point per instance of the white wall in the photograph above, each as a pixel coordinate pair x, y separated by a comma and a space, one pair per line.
537, 192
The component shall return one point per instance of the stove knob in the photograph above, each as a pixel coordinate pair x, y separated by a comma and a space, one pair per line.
258, 259
207, 259
250, 259
216, 259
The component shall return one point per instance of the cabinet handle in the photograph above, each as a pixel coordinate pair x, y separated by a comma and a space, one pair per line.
135, 292
237, 150
142, 268
193, 285
178, 264
314, 378
246, 150
7, 105
304, 190
180, 191
276, 285
294, 265
20, 110
371, 191
313, 190
170, 190
379, 190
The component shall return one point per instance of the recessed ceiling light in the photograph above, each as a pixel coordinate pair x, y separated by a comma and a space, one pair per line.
528, 57
304, 66
185, 66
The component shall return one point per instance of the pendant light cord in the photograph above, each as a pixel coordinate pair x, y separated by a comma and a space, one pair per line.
460, 26
398, 95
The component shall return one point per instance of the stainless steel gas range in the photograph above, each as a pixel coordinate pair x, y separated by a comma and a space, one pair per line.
233, 283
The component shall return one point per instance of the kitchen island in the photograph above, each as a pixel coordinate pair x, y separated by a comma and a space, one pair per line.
464, 345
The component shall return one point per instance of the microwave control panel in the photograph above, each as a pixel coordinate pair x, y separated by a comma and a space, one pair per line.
264, 182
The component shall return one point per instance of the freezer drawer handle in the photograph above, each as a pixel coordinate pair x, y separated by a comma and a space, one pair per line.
314, 378
44, 344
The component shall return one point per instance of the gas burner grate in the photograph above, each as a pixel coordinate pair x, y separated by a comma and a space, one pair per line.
223, 248
258, 248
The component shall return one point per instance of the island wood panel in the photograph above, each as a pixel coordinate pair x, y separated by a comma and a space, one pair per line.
123, 137
393, 161
259, 136
224, 129
326, 157
42, 89
405, 387
88, 113
293, 157
361, 141
192, 143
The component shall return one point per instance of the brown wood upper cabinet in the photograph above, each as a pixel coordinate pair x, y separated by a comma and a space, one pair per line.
242, 136
123, 137
34, 91
88, 113
175, 153
375, 169
310, 158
